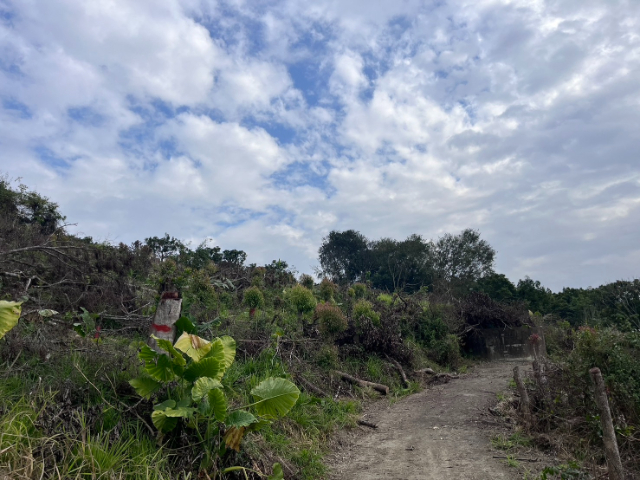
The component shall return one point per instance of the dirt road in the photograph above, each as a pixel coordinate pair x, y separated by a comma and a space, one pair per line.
436, 434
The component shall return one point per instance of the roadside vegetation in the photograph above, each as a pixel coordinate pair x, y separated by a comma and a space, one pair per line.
82, 396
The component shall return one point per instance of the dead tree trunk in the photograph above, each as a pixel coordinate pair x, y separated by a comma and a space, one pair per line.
608, 433
525, 404
542, 383
363, 383
167, 314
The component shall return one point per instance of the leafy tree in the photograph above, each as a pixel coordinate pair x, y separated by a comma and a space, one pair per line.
344, 256
253, 298
29, 207
301, 299
235, 257
307, 281
498, 287
536, 297
458, 261
202, 256
165, 247
400, 265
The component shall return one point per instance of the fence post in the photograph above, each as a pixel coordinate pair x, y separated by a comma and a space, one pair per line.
167, 314
608, 433
525, 404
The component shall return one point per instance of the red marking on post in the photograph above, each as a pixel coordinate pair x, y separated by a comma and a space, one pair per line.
161, 328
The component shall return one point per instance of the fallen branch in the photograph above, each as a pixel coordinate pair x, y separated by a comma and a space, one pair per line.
383, 389
364, 423
399, 367
310, 387
518, 459
443, 376
425, 370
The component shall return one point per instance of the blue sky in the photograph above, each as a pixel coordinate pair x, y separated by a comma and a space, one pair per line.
263, 125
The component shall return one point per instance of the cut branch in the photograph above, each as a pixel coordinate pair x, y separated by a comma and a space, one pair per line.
363, 383
405, 382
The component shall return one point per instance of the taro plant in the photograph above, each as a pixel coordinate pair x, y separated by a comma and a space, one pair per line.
9, 315
189, 374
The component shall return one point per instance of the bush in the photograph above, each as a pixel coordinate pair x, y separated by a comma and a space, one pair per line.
253, 298
331, 319
307, 281
386, 299
328, 289
301, 299
359, 290
364, 308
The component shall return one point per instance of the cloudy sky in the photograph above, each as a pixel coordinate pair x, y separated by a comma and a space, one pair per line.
265, 124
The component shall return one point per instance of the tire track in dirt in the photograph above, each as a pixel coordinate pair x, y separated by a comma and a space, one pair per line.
438, 433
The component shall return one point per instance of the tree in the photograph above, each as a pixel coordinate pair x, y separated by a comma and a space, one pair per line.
165, 247
458, 261
344, 256
400, 265
498, 287
536, 297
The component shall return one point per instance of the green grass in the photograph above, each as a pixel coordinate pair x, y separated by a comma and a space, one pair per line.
511, 442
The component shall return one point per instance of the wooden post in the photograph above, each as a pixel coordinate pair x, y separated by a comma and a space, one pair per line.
167, 314
525, 404
541, 380
608, 433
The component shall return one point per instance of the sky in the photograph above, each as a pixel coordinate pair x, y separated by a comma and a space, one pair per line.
264, 125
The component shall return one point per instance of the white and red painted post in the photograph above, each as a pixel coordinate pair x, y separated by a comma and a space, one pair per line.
167, 314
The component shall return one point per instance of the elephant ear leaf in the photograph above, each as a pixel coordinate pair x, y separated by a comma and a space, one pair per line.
194, 346
275, 396
229, 350
145, 386
9, 315
162, 422
202, 386
233, 437
218, 404
240, 418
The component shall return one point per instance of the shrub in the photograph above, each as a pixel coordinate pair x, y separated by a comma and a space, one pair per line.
386, 299
327, 289
331, 319
307, 281
301, 299
359, 290
364, 308
253, 298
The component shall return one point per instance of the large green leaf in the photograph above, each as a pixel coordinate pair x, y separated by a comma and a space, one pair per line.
145, 386
9, 315
161, 369
218, 403
229, 349
147, 354
240, 418
169, 403
162, 422
166, 345
202, 386
275, 396
207, 367
194, 346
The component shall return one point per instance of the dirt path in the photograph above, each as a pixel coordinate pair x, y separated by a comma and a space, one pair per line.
436, 434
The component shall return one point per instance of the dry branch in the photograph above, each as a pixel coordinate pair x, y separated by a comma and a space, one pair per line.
405, 382
310, 387
363, 383
367, 424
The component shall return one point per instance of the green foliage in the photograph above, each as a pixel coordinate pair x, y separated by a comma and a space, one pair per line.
253, 298
331, 319
359, 290
9, 315
363, 308
307, 281
301, 299
617, 355
386, 299
193, 386
328, 290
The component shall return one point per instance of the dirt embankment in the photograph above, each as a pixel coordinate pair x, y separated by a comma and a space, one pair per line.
436, 434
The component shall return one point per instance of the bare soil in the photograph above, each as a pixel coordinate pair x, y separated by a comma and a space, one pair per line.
443, 432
